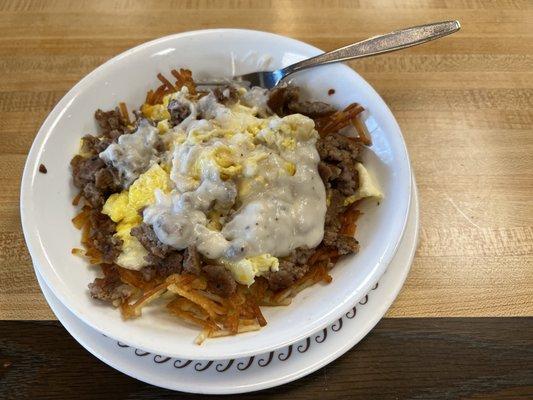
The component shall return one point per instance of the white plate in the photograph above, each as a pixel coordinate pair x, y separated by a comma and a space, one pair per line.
260, 371
46, 199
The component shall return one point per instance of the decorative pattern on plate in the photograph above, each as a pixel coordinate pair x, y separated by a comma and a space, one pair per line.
261, 360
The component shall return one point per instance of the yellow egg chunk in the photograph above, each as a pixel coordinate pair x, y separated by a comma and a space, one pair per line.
290, 168
179, 138
133, 252
116, 206
299, 126
156, 112
142, 191
166, 99
163, 126
220, 161
245, 270
367, 187
225, 162
289, 143
123, 208
213, 218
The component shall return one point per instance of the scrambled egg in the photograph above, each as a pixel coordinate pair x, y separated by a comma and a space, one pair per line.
157, 112
367, 187
245, 270
163, 126
242, 147
123, 208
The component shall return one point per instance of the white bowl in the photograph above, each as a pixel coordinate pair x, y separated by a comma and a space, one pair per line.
46, 207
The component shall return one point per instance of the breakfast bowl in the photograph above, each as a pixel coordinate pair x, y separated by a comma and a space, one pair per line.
47, 209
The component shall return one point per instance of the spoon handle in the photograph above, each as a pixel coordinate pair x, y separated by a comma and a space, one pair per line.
379, 44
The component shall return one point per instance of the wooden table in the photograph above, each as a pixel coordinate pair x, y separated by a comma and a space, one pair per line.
465, 106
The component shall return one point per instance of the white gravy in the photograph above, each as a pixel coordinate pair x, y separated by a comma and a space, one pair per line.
268, 173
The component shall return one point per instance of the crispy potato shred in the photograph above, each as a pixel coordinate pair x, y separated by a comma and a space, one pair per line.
191, 302
183, 78
187, 296
82, 222
350, 116
124, 113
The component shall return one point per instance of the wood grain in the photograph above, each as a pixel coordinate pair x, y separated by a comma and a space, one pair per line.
464, 103
444, 358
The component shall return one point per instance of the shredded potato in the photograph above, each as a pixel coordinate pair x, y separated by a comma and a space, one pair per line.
124, 113
166, 82
243, 327
135, 279
184, 78
362, 131
338, 120
349, 220
76, 200
210, 307
134, 310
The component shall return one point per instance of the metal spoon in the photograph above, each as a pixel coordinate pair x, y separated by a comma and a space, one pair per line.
375, 45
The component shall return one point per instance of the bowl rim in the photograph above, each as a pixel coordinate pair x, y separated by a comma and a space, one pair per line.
39, 257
